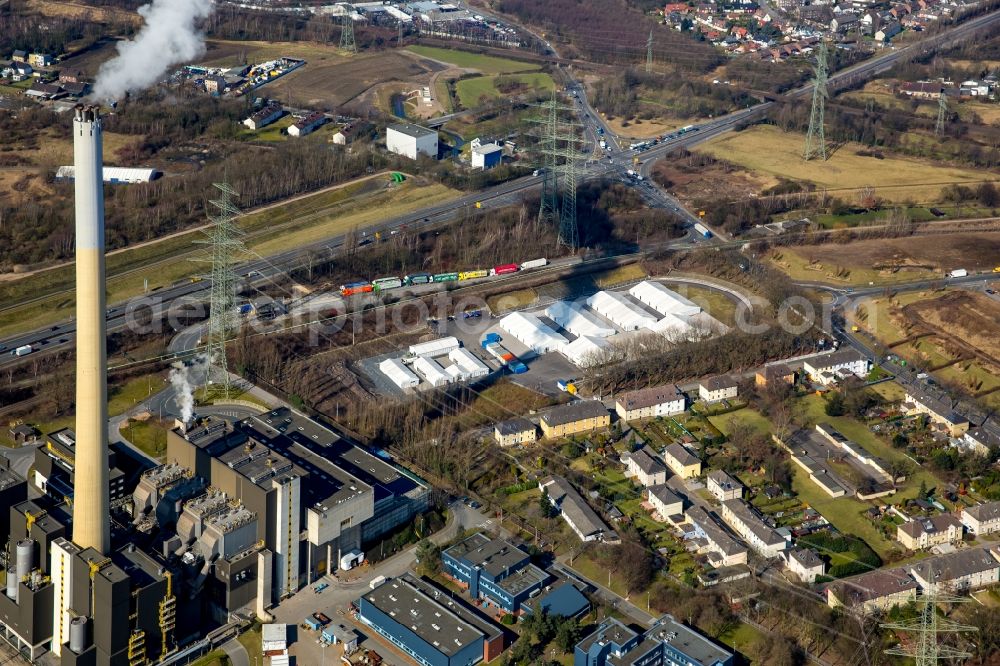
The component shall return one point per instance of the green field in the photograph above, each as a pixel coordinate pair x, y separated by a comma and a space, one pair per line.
470, 91
768, 151
484, 63
725, 422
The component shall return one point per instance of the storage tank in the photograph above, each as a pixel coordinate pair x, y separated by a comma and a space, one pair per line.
25, 557
78, 634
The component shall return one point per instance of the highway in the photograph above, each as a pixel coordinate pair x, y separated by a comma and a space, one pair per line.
618, 161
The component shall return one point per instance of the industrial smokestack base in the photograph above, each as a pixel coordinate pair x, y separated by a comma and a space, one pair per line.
91, 504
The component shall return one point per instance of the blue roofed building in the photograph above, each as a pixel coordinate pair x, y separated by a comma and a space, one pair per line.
502, 575
428, 625
666, 643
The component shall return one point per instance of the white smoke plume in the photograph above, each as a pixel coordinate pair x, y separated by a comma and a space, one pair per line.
168, 37
181, 379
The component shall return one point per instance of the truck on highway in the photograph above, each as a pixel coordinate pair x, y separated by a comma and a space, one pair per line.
958, 272
23, 350
703, 230
534, 263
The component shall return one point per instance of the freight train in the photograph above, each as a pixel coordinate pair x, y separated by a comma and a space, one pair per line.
393, 282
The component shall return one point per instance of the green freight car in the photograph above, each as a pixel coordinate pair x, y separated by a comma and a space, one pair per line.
445, 277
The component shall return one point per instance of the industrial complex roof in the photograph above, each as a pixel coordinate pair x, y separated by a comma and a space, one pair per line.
409, 129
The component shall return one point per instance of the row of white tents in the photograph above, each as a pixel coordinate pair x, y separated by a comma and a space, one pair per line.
423, 362
605, 313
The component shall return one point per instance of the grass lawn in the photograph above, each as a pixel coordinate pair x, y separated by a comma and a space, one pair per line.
213, 658
753, 418
768, 150
890, 391
512, 300
812, 408
251, 641
843, 512
123, 398
620, 275
844, 272
149, 436
469, 91
484, 63
742, 637
712, 301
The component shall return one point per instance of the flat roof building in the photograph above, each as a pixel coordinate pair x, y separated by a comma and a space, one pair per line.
428, 624
666, 642
411, 140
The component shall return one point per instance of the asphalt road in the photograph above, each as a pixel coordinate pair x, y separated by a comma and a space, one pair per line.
619, 161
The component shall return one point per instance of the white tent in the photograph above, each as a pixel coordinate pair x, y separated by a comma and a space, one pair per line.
621, 312
585, 350
398, 373
432, 371
578, 320
437, 347
532, 333
470, 366
673, 327
663, 300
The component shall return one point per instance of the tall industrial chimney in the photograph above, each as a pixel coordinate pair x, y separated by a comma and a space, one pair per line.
91, 505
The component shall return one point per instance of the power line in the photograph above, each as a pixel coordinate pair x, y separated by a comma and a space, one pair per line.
928, 627
347, 34
816, 137
942, 116
649, 53
225, 239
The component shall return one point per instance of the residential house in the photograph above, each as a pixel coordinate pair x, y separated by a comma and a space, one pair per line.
775, 374
939, 411
888, 31
20, 71
76, 88
19, 56
39, 90
968, 569
264, 116
718, 388
751, 527
805, 564
978, 441
844, 22
515, 431
664, 502
721, 548
928, 90
881, 590
666, 642
215, 85
645, 467
682, 462
40, 59
829, 368
723, 486
920, 533
578, 416
308, 125
665, 400
579, 515
982, 519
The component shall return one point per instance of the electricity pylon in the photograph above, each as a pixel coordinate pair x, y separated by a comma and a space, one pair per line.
347, 34
569, 233
816, 136
548, 209
928, 627
649, 53
942, 116
225, 241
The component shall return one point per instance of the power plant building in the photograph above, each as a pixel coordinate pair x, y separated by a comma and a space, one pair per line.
115, 564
